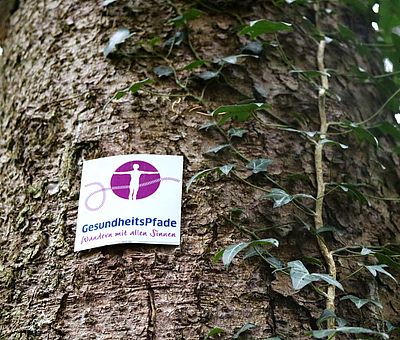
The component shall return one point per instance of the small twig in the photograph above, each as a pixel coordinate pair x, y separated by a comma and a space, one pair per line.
242, 229
249, 183
352, 274
391, 74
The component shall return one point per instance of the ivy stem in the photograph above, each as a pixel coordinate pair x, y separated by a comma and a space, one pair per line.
319, 173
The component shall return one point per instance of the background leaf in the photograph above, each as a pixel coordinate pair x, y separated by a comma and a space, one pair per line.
272, 241
215, 331
258, 27
194, 64
190, 14
240, 112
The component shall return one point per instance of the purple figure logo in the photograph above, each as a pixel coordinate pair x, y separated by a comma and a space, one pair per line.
131, 181
135, 180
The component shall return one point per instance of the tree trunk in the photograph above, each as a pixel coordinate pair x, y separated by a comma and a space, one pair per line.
55, 86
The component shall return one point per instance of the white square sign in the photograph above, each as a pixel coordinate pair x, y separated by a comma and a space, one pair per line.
130, 199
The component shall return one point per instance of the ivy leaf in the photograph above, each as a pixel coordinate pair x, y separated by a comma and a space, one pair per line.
197, 176
215, 331
107, 2
233, 59
258, 27
329, 279
304, 196
280, 197
274, 262
194, 64
379, 268
217, 148
360, 302
328, 141
208, 75
191, 14
300, 275
244, 329
310, 73
218, 255
135, 87
120, 94
392, 329
240, 112
231, 251
226, 169
310, 134
117, 38
330, 314
207, 125
163, 71
366, 251
232, 132
259, 165
153, 42
257, 251
175, 40
323, 333
254, 48
268, 241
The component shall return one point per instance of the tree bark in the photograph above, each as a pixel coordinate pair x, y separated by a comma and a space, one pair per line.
55, 83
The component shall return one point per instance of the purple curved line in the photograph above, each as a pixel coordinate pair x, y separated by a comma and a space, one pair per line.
103, 190
159, 180
93, 193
